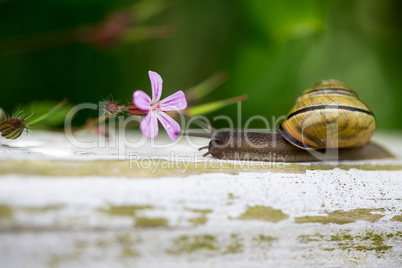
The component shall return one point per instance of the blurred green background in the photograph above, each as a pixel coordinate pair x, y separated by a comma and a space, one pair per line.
272, 50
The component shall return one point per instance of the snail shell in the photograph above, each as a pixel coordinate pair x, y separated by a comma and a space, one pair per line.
328, 115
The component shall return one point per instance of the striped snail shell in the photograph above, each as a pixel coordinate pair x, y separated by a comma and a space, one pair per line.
328, 115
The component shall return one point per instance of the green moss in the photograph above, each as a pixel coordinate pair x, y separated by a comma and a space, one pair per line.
363, 242
145, 222
235, 245
310, 238
102, 243
128, 252
55, 261
191, 244
202, 218
264, 239
397, 218
341, 237
42, 209
127, 211
127, 244
125, 168
263, 214
367, 242
6, 212
231, 196
203, 211
343, 217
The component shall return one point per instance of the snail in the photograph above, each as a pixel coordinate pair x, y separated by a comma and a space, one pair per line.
328, 122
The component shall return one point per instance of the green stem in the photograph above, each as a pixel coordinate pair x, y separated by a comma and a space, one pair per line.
206, 87
36, 119
212, 106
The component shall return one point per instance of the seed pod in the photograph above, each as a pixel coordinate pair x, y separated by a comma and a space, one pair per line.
12, 128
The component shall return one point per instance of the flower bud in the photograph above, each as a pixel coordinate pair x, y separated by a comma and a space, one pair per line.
12, 128
112, 108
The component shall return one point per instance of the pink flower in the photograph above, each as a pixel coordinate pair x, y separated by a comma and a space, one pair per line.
156, 108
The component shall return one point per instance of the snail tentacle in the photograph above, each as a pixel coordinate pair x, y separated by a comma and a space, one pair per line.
203, 147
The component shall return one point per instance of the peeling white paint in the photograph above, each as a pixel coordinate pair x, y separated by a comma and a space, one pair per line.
78, 234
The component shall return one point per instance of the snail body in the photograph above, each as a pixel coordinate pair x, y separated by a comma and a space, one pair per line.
328, 122
272, 147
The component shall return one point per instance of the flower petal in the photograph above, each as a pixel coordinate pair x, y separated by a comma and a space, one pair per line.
149, 125
176, 101
141, 100
156, 84
171, 126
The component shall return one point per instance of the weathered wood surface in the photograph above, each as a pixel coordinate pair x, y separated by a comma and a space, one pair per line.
65, 206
